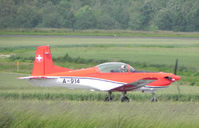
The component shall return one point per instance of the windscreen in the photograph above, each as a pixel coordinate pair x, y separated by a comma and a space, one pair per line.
114, 67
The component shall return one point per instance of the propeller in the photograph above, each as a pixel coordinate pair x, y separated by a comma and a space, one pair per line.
176, 67
175, 72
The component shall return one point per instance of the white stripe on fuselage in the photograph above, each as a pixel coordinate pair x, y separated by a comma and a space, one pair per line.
78, 82
86, 83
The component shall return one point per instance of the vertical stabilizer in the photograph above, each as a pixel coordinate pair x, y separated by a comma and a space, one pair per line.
43, 63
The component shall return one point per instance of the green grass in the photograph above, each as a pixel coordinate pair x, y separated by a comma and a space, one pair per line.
36, 113
59, 114
23, 105
13, 41
154, 54
167, 56
149, 51
112, 33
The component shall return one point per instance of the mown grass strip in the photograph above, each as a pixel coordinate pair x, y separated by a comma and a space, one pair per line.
97, 96
111, 33
33, 47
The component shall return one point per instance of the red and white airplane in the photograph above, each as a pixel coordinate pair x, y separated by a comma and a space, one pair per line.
108, 77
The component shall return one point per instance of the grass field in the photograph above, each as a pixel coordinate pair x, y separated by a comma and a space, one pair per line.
113, 33
155, 54
24, 105
73, 114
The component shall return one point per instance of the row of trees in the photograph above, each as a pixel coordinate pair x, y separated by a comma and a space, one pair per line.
175, 15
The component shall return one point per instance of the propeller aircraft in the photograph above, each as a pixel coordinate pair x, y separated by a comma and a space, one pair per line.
109, 77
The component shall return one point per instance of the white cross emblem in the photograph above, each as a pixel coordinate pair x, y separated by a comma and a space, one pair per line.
39, 58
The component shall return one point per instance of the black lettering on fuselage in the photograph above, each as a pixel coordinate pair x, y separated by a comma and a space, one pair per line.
64, 81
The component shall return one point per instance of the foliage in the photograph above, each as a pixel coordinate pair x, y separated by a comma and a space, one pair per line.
174, 15
85, 18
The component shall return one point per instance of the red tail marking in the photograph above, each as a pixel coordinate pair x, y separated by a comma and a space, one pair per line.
43, 63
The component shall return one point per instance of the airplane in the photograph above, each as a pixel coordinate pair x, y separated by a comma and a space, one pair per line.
108, 77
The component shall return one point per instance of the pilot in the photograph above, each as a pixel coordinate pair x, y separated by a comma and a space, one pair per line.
124, 68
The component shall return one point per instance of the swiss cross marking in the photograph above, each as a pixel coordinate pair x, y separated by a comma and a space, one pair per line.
39, 58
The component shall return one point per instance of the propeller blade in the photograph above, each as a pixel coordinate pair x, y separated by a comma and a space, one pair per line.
178, 88
176, 67
175, 72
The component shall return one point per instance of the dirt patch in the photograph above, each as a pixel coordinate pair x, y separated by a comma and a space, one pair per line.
4, 56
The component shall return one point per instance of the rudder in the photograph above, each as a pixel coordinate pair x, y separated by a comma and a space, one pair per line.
43, 63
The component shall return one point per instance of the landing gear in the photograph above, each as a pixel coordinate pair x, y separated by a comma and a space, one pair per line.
124, 98
109, 97
154, 99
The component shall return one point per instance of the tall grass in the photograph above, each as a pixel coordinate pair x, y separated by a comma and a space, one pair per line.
86, 96
59, 114
24, 67
23, 105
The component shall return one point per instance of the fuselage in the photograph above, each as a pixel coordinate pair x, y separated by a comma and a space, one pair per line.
110, 76
94, 79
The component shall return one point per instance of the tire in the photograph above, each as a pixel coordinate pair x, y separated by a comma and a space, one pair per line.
154, 99
107, 99
125, 99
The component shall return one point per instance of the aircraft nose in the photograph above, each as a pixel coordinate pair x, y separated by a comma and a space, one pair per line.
176, 78
173, 77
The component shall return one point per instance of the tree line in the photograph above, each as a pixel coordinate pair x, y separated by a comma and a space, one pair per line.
172, 15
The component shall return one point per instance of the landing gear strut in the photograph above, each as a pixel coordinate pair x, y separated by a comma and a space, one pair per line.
109, 97
154, 99
124, 98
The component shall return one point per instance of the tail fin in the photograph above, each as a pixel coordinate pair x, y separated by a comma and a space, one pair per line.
43, 63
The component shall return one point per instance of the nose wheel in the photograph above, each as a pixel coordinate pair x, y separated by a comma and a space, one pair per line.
124, 98
154, 98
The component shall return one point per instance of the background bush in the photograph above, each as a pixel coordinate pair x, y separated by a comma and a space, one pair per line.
173, 15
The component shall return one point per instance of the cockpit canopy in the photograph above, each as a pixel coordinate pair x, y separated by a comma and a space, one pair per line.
115, 67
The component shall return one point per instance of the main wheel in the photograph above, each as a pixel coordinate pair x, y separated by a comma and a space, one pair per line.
125, 99
108, 99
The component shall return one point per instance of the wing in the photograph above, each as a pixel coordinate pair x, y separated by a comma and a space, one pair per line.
134, 85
